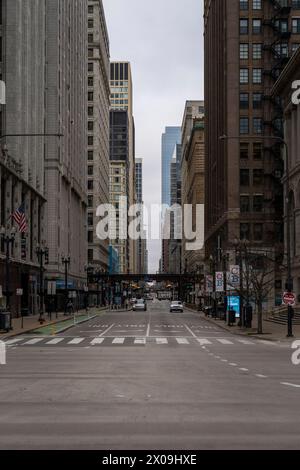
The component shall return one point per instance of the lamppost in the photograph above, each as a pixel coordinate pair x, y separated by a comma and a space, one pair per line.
289, 284
42, 254
66, 260
213, 266
8, 238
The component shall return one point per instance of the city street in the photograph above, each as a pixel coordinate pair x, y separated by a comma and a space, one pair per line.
148, 380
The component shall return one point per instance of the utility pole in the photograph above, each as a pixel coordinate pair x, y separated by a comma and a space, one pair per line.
66, 260
42, 253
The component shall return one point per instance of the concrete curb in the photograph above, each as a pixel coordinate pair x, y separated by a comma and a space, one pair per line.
74, 324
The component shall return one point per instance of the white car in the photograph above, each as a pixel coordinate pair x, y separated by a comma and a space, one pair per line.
176, 306
140, 304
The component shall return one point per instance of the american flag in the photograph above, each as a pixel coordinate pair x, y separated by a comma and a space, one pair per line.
19, 217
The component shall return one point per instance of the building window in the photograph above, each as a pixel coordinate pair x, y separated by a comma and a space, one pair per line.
90, 38
90, 185
244, 5
257, 151
90, 23
245, 204
90, 140
90, 111
90, 81
90, 236
90, 9
257, 76
90, 170
244, 125
244, 151
90, 66
90, 125
256, 4
90, 96
295, 46
90, 256
244, 26
245, 231
257, 100
257, 51
90, 201
258, 232
244, 177
90, 155
90, 219
258, 177
257, 125
256, 26
258, 202
244, 76
244, 51
244, 100
90, 52
296, 25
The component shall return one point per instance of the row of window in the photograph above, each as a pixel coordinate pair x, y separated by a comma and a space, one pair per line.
257, 100
257, 4
257, 26
251, 204
257, 74
253, 232
246, 150
257, 177
257, 125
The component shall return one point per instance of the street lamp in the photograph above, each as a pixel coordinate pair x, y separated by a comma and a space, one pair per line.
43, 255
8, 238
289, 284
66, 260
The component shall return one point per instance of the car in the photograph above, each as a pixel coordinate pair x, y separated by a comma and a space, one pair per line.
176, 306
140, 304
133, 300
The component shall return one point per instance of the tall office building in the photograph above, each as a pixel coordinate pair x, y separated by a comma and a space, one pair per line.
122, 100
98, 129
170, 138
65, 159
22, 63
247, 45
141, 245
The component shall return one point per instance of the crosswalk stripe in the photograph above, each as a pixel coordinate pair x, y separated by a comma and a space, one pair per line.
224, 341
182, 341
161, 341
97, 341
245, 341
140, 341
55, 341
34, 341
119, 341
13, 341
203, 341
76, 341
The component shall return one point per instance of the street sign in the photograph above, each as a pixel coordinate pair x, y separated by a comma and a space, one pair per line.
209, 284
289, 298
219, 282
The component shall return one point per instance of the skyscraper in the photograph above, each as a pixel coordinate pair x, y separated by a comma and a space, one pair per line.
65, 159
141, 245
98, 129
247, 45
122, 101
170, 138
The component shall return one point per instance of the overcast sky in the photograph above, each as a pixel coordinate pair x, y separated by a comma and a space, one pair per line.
163, 40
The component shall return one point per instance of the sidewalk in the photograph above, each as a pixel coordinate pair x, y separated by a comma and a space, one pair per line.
32, 322
271, 331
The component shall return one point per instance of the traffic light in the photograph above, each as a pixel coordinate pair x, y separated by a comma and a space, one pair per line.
47, 256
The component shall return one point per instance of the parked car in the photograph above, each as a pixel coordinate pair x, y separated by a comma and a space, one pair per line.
140, 305
133, 300
176, 306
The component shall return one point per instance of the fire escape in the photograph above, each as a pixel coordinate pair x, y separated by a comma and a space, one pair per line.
279, 53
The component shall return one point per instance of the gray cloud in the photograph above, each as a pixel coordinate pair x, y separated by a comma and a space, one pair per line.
163, 40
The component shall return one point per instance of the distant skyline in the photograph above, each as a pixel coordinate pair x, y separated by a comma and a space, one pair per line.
164, 43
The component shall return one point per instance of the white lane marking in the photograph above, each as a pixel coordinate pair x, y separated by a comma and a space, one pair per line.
109, 328
161, 341
140, 341
243, 369
245, 341
261, 376
224, 341
34, 341
118, 341
190, 331
269, 343
224, 360
203, 341
97, 341
182, 341
76, 341
233, 364
290, 385
55, 341
13, 341
148, 330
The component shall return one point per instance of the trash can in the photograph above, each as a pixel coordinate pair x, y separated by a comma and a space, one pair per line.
4, 320
231, 317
